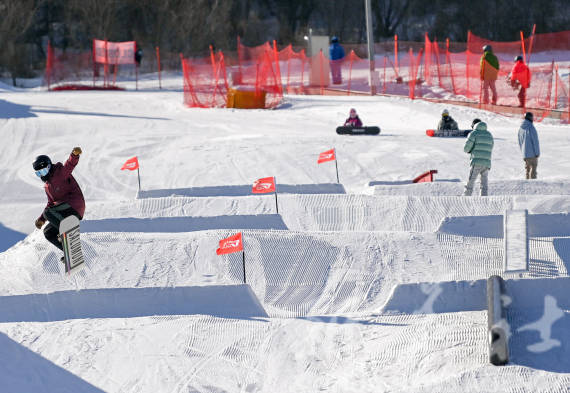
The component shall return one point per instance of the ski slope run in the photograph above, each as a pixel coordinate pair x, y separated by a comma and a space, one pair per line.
372, 285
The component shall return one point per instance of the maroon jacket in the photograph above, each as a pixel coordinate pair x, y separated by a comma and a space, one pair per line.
353, 122
61, 186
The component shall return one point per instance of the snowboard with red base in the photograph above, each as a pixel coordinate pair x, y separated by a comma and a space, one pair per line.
448, 133
344, 130
69, 233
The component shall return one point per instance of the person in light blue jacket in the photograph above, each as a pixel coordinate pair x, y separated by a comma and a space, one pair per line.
480, 146
528, 142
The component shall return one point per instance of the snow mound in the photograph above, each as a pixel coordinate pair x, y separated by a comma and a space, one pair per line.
455, 187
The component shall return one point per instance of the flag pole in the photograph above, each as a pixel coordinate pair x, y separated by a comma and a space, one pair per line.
336, 166
139, 176
243, 262
276, 205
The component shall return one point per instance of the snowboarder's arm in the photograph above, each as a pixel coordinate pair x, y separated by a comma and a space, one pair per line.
49, 204
358, 122
71, 161
534, 139
469, 144
440, 125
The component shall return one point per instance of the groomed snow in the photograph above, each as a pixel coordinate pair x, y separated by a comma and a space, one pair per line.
375, 285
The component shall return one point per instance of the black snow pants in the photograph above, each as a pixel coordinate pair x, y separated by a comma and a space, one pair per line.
54, 215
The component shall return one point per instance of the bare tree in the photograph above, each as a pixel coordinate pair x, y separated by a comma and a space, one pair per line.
98, 17
389, 14
17, 16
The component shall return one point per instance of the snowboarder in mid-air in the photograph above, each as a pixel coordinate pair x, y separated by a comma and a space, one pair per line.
353, 119
64, 195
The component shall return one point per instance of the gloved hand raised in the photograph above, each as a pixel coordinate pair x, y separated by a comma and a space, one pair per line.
40, 223
76, 151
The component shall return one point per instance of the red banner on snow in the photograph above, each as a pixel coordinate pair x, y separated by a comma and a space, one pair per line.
106, 52
230, 244
326, 156
131, 164
263, 186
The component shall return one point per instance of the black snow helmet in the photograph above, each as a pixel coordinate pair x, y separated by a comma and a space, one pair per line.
529, 116
474, 122
519, 57
487, 48
41, 162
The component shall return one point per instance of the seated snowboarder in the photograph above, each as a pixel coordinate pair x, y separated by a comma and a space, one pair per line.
353, 119
64, 195
447, 122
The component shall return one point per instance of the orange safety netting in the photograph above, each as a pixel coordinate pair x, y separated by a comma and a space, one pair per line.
207, 82
451, 72
76, 70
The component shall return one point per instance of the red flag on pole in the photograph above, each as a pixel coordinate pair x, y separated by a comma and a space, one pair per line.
326, 156
230, 245
264, 186
131, 164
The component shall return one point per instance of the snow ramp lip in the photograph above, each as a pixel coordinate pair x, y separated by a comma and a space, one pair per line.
437, 297
184, 224
24, 370
224, 301
241, 190
491, 226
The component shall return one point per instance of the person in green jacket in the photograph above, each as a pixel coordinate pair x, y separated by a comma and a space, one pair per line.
489, 73
480, 146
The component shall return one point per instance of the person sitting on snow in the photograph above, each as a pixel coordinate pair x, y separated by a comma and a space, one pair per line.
353, 119
447, 122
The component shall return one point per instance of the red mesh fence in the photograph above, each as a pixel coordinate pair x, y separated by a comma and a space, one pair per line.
207, 81
69, 68
444, 71
116, 68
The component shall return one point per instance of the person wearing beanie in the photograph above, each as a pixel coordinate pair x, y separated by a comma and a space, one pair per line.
447, 122
528, 143
480, 146
489, 73
353, 119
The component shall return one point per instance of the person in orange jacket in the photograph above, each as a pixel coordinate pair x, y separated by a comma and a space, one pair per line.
489, 73
519, 77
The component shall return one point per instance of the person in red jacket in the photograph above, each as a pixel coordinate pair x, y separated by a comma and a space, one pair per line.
353, 119
64, 195
520, 77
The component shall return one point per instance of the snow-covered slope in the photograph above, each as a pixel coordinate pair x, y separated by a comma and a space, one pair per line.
372, 285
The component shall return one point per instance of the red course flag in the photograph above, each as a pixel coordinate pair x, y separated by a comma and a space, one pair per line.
326, 156
131, 164
230, 245
263, 186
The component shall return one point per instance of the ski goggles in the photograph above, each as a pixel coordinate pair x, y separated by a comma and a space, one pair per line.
44, 171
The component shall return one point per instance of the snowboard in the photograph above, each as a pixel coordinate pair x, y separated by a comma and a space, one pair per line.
69, 234
342, 130
448, 133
